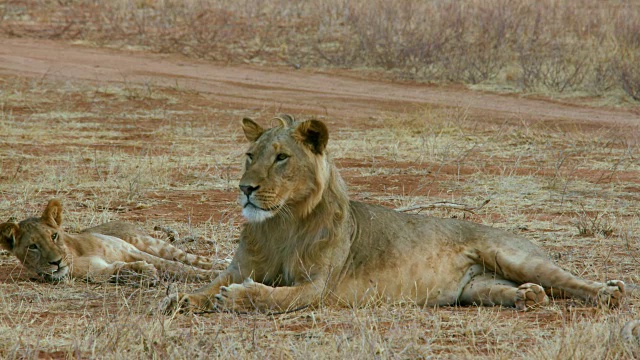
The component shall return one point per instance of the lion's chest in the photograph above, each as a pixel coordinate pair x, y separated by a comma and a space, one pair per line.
279, 271
286, 264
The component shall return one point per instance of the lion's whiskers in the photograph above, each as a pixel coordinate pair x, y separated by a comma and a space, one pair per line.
285, 212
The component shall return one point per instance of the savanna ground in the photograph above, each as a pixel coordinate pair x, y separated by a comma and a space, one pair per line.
155, 138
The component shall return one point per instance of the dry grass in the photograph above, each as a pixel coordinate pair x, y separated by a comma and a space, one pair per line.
170, 157
581, 48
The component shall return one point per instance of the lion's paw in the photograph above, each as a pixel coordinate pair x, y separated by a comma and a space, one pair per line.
147, 270
169, 304
530, 296
136, 273
184, 303
241, 297
145, 273
610, 295
631, 332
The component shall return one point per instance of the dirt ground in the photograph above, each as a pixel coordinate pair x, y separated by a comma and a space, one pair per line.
335, 95
155, 139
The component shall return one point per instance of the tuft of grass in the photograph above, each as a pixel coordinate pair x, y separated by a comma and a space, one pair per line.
595, 224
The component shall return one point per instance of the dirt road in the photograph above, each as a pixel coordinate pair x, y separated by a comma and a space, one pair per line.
304, 91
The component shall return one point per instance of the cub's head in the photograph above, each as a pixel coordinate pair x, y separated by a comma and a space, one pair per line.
37, 243
286, 169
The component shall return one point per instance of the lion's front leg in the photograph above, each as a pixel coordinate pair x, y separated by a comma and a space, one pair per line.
97, 269
251, 296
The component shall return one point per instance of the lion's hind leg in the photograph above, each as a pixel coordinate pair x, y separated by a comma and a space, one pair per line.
549, 275
174, 270
524, 267
490, 290
135, 236
164, 250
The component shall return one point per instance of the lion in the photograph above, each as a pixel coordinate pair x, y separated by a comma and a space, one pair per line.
306, 244
631, 332
114, 251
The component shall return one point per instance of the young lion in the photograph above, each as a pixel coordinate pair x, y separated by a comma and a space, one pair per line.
111, 251
306, 244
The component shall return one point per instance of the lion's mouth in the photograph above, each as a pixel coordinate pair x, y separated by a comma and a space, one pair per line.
56, 275
269, 209
255, 213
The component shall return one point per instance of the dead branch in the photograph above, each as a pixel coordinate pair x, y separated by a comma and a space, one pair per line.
174, 237
444, 204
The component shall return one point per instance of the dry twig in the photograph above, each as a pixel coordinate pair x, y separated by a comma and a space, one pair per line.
444, 204
173, 236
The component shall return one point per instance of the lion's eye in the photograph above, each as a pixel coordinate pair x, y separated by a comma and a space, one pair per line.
282, 157
250, 156
54, 236
33, 247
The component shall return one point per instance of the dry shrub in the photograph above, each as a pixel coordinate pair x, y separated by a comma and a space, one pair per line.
627, 35
428, 41
594, 224
629, 74
585, 46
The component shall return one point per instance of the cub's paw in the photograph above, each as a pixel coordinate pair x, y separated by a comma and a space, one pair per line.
244, 297
529, 296
631, 332
137, 273
147, 270
184, 303
610, 295
140, 272
169, 304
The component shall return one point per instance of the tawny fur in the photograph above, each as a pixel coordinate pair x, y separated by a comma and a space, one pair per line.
631, 332
114, 251
306, 244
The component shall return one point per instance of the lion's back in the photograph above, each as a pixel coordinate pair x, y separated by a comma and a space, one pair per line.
382, 232
119, 229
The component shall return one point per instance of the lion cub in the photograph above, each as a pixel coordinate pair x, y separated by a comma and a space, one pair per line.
114, 251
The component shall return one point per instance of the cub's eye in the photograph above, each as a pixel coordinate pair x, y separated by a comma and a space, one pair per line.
54, 236
33, 247
282, 157
250, 156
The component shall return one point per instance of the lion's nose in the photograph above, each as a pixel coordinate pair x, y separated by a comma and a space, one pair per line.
57, 262
247, 189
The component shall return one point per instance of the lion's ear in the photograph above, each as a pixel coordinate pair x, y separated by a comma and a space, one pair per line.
313, 133
251, 130
52, 215
8, 233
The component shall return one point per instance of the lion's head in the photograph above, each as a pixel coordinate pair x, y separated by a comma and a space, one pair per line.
286, 169
37, 243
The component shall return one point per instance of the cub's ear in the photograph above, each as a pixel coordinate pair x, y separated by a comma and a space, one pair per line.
52, 215
8, 233
251, 130
313, 133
